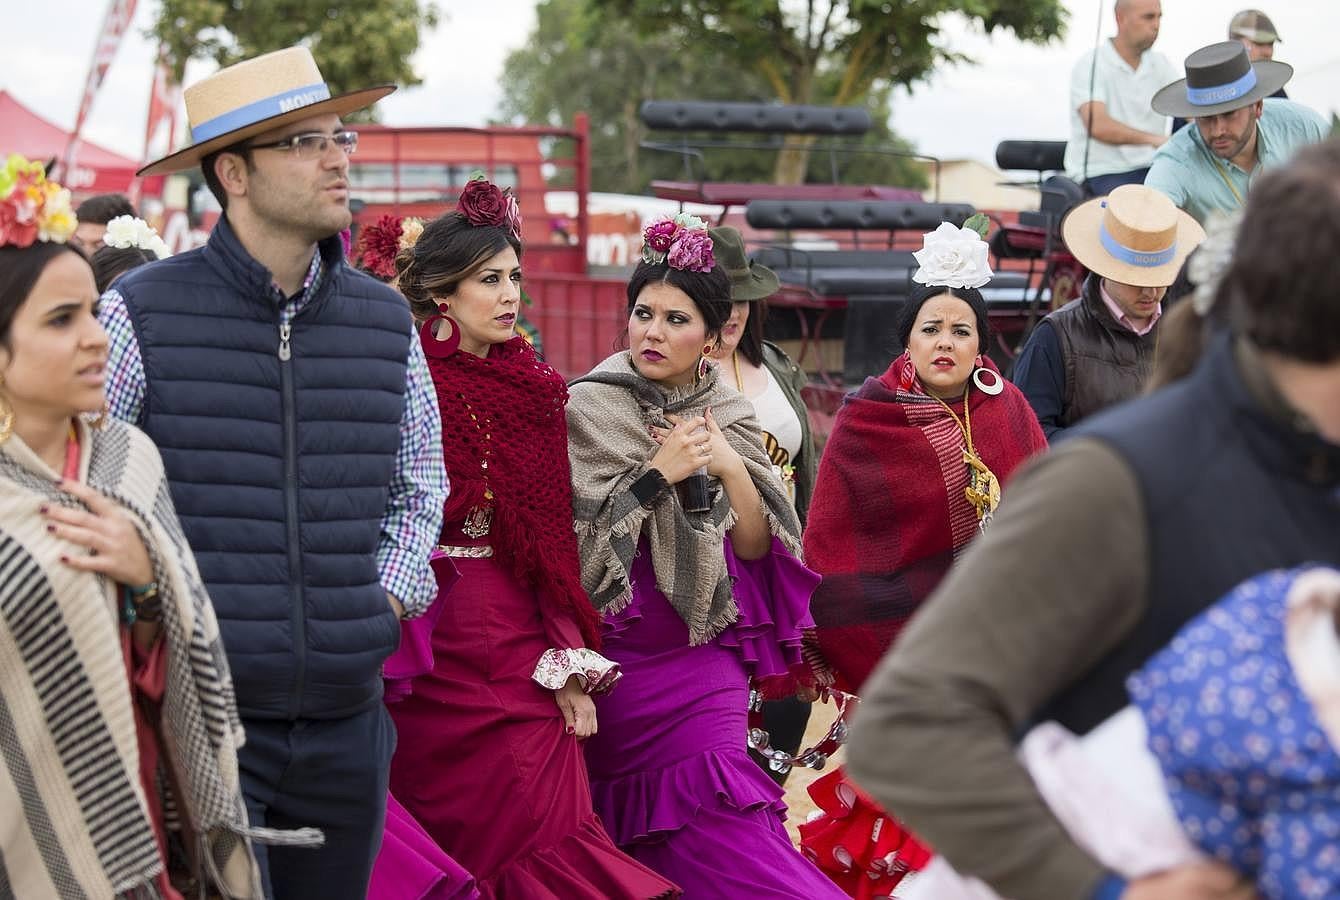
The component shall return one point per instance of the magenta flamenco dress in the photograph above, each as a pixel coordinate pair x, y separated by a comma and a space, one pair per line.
670, 775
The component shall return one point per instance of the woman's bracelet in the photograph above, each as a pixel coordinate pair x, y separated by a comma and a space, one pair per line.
142, 604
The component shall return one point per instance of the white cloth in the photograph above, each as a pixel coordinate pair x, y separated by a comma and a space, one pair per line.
1106, 790
777, 417
1127, 94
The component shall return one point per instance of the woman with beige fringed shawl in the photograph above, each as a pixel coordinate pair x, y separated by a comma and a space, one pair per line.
114, 690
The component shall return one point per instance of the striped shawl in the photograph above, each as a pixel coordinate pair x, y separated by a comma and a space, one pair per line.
76, 821
609, 446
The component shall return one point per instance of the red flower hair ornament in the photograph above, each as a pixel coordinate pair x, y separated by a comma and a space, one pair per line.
483, 203
380, 243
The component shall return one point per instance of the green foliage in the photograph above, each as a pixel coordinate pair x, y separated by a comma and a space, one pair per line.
355, 44
582, 58
865, 41
979, 223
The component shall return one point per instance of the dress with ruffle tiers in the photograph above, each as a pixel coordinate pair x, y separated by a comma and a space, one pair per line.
670, 776
483, 768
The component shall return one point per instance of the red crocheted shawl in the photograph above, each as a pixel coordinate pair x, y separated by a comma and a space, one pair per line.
518, 402
889, 516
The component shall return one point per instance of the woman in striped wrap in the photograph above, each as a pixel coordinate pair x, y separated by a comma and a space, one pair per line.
117, 720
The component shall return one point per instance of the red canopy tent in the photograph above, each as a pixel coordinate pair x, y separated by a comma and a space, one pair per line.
97, 169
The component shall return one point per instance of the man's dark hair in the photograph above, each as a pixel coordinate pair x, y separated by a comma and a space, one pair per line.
212, 179
1279, 290
102, 208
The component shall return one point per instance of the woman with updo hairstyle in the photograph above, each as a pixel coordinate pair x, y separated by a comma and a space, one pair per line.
489, 758
117, 699
911, 473
689, 545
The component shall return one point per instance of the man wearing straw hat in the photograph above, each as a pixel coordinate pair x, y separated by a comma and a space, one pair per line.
301, 440
1098, 349
1240, 130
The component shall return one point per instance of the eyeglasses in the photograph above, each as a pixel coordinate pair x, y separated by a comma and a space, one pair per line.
312, 144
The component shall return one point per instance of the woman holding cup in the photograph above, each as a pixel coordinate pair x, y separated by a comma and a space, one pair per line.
695, 604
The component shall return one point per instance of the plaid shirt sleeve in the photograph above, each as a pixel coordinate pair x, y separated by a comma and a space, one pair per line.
419, 488
125, 368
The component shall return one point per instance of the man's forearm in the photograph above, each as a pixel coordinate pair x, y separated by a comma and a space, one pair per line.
1108, 130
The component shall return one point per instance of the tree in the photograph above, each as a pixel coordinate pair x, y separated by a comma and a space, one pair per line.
861, 44
356, 45
579, 60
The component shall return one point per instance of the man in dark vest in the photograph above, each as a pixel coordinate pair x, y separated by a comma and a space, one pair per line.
288, 397
1097, 350
1106, 546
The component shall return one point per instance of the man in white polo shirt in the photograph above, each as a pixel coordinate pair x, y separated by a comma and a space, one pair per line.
1113, 130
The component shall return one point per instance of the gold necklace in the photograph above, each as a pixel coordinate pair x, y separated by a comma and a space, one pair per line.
983, 490
479, 520
735, 358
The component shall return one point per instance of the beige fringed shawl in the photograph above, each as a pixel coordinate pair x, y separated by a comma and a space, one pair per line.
74, 820
609, 446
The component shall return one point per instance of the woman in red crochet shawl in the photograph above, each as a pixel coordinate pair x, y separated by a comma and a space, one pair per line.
911, 472
489, 760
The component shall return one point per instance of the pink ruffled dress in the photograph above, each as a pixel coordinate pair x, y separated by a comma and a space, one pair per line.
670, 776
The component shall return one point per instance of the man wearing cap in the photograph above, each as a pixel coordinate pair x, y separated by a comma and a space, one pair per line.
1098, 349
1103, 548
1238, 134
1113, 131
1258, 35
302, 443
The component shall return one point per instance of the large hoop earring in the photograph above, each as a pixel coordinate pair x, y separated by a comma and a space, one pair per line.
439, 348
996, 385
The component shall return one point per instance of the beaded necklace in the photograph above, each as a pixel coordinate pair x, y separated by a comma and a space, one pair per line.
479, 520
983, 490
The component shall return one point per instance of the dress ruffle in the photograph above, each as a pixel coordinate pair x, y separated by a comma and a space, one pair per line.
856, 843
411, 867
414, 656
659, 801
583, 864
772, 595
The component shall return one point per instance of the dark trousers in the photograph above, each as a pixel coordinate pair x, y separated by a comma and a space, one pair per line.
785, 722
1102, 185
329, 774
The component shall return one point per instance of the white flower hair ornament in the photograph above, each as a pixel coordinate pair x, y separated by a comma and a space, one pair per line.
125, 232
954, 257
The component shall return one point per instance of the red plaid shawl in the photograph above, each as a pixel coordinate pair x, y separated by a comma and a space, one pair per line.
889, 515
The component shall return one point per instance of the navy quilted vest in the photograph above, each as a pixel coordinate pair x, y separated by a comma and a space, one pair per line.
279, 468
1229, 493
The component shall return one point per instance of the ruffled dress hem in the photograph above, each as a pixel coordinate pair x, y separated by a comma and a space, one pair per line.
582, 864
652, 804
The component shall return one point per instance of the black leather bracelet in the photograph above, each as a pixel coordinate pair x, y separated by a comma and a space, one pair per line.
651, 487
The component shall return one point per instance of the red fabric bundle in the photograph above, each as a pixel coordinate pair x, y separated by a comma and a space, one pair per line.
517, 401
889, 514
863, 849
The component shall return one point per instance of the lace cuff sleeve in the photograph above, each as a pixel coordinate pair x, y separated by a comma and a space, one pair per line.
597, 674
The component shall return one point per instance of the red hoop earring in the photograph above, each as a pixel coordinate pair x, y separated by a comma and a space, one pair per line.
439, 348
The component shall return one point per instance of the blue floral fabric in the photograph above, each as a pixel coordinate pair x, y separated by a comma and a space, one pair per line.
1252, 776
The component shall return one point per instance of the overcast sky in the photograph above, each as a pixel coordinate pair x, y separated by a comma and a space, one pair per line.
1014, 91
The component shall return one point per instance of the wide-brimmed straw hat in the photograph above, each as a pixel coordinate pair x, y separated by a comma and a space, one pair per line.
255, 96
748, 280
1219, 79
1134, 235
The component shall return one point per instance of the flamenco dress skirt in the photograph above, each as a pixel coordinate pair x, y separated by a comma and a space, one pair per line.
669, 770
483, 762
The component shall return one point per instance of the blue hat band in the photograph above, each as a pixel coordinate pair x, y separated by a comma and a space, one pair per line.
1139, 258
1223, 93
260, 110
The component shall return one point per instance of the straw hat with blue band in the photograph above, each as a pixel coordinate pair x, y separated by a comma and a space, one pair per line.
1134, 235
253, 97
1219, 79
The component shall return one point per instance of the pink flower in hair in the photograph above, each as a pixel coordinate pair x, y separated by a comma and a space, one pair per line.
512, 215
692, 251
659, 235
